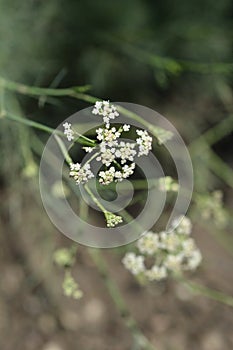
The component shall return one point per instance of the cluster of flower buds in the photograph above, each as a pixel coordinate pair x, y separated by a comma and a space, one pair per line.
112, 219
171, 252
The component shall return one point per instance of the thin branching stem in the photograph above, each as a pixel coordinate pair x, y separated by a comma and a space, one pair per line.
119, 301
210, 293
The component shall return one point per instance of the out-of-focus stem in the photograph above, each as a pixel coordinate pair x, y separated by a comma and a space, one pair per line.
75, 93
119, 301
207, 292
82, 139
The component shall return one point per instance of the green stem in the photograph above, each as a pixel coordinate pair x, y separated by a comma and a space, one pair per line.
214, 134
63, 149
71, 92
82, 139
118, 300
37, 91
171, 65
208, 292
95, 200
115, 292
220, 168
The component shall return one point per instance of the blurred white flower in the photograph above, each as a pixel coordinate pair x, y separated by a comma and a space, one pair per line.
173, 262
156, 273
188, 246
172, 252
182, 225
169, 241
194, 260
134, 263
148, 243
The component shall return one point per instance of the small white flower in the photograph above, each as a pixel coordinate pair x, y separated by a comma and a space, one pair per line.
126, 152
68, 131
193, 260
118, 176
80, 174
173, 262
144, 142
126, 127
108, 136
169, 241
106, 156
134, 263
128, 170
182, 225
100, 135
188, 246
106, 110
148, 243
156, 273
98, 104
106, 177
88, 149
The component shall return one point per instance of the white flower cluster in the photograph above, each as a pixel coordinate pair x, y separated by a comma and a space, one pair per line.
112, 150
134, 263
182, 225
126, 152
144, 142
172, 252
68, 131
110, 175
106, 110
80, 174
116, 155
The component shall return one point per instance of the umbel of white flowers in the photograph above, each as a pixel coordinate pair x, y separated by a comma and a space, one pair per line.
171, 252
117, 156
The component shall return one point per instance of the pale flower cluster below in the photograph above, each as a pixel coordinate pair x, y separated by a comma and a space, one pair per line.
171, 252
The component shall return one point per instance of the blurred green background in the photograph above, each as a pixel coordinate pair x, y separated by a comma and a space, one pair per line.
172, 56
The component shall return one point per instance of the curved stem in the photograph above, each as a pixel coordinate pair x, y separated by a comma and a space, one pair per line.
75, 93
37, 91
208, 292
82, 139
